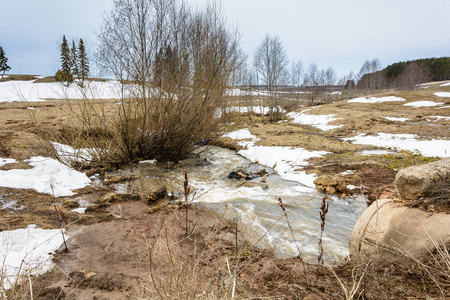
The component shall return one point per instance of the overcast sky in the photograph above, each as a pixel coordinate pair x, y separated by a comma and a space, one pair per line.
337, 33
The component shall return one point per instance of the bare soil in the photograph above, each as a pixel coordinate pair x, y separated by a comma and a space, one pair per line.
149, 256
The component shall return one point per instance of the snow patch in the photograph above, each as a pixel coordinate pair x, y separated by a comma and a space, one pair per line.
240, 134
446, 84
317, 121
437, 118
375, 152
4, 161
395, 119
376, 100
32, 246
423, 104
285, 161
47, 172
68, 154
439, 148
442, 94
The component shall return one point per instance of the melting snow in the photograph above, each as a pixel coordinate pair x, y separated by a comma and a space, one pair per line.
438, 118
446, 84
240, 134
47, 172
442, 94
375, 152
32, 246
397, 119
423, 104
68, 154
439, 148
285, 160
376, 100
4, 161
317, 121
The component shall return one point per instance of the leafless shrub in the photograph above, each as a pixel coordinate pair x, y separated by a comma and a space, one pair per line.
173, 67
180, 63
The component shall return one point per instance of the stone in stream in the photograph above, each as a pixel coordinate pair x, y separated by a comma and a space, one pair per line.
158, 195
240, 175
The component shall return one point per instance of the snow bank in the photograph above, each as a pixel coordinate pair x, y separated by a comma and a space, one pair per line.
32, 246
442, 94
317, 121
439, 148
47, 172
11, 91
376, 100
423, 104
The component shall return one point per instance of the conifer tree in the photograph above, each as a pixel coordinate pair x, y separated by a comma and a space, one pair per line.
3, 62
83, 62
74, 60
65, 73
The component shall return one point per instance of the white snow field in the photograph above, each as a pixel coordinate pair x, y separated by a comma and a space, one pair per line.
317, 121
376, 100
47, 173
28, 91
27, 250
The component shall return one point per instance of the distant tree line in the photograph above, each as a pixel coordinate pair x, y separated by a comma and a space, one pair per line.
74, 63
406, 74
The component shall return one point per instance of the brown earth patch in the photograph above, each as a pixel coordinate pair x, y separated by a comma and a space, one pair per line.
149, 256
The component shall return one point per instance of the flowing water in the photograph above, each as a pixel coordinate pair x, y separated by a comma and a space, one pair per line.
256, 208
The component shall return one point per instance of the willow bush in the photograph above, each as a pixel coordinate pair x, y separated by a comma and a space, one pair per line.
174, 66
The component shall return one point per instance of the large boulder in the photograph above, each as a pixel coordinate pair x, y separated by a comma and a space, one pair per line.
394, 232
422, 181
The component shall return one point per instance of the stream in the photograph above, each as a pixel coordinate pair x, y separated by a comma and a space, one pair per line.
255, 206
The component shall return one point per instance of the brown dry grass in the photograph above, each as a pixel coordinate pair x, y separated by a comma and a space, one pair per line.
198, 267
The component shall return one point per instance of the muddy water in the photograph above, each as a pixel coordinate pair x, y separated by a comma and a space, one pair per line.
256, 208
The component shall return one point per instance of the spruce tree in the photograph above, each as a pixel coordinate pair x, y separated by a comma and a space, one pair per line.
65, 73
83, 62
74, 60
3, 62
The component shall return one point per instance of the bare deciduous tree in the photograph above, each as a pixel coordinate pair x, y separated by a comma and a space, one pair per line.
412, 75
312, 80
270, 62
369, 77
175, 65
